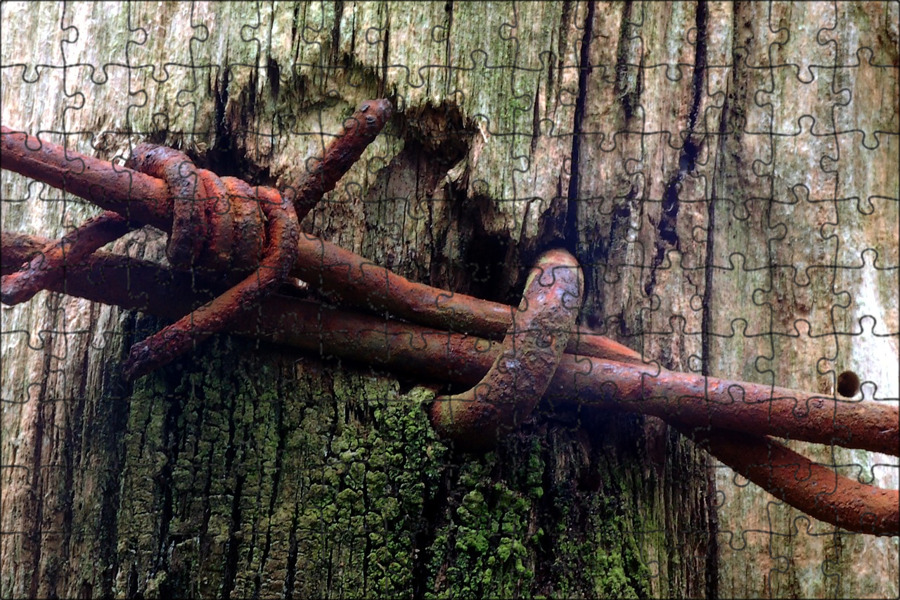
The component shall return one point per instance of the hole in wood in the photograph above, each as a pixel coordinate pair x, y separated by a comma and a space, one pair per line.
848, 384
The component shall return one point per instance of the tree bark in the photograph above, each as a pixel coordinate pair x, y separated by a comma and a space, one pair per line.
725, 173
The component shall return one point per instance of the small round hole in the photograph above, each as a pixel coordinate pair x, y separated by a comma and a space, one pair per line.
848, 384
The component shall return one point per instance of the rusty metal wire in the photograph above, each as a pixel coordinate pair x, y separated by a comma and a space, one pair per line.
220, 224
450, 338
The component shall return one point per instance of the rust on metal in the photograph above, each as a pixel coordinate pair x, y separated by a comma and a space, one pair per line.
320, 177
190, 228
445, 356
283, 232
809, 487
521, 372
140, 198
348, 278
734, 405
464, 359
215, 224
223, 229
50, 263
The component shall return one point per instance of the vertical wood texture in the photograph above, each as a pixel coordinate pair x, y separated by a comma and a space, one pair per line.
726, 173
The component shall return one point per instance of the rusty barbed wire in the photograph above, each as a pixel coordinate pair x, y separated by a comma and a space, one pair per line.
221, 224
595, 371
507, 394
705, 408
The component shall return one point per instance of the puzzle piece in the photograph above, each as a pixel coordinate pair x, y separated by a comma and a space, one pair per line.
725, 175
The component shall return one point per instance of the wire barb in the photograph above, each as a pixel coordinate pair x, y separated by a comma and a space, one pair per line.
731, 419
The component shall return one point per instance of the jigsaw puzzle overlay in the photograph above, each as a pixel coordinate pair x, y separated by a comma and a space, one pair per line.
450, 299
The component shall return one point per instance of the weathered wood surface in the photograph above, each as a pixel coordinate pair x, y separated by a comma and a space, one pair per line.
707, 213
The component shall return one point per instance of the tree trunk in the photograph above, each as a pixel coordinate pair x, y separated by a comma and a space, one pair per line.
726, 174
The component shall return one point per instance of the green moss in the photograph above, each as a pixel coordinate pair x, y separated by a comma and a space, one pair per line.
337, 478
482, 549
365, 505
